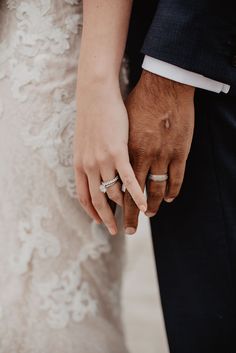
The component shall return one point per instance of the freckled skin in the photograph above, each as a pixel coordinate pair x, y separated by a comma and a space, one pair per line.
161, 123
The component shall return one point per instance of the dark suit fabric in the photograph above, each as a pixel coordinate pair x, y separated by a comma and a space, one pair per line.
141, 18
195, 237
197, 35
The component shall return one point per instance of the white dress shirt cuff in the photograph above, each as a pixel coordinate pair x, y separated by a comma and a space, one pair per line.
178, 74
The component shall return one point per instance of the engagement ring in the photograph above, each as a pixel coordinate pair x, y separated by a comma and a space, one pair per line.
107, 184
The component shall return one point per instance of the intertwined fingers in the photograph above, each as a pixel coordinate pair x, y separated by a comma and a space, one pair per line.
97, 204
132, 184
157, 191
131, 212
161, 122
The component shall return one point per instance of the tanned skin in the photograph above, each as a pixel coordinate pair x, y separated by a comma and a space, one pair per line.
161, 123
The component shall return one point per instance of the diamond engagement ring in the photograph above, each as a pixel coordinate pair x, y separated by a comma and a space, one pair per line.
107, 184
158, 177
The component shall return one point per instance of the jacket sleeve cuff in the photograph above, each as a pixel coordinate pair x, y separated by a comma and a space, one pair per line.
184, 76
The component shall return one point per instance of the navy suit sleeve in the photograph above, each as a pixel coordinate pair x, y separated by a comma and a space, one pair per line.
197, 35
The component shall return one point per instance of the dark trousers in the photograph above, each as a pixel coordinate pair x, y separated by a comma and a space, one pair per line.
195, 237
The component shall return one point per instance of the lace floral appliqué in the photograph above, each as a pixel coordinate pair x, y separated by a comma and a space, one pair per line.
34, 238
66, 296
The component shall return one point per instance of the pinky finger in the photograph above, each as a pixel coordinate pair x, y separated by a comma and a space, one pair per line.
84, 197
176, 176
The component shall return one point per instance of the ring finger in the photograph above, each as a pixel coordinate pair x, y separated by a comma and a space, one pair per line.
156, 189
113, 192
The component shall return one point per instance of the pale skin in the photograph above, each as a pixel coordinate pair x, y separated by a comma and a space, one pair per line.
153, 133
101, 136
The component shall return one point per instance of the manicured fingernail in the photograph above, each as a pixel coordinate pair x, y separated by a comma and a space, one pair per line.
169, 200
143, 208
150, 214
130, 230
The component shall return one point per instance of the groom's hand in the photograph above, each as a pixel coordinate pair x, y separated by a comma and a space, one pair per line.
161, 118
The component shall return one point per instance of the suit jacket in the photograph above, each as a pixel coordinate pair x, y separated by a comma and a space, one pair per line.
141, 19
197, 35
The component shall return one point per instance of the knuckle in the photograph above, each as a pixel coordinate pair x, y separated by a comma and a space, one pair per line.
157, 194
116, 152
144, 152
150, 152
179, 162
175, 185
89, 165
113, 195
83, 201
127, 180
102, 158
136, 151
77, 165
97, 203
154, 153
116, 198
179, 154
131, 221
178, 170
130, 208
162, 153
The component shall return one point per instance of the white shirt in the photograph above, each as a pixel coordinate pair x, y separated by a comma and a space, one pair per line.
178, 74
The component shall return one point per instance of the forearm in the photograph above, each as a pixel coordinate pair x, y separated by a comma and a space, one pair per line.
104, 36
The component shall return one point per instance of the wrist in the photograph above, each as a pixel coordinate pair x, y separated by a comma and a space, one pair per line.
156, 84
94, 70
97, 79
96, 83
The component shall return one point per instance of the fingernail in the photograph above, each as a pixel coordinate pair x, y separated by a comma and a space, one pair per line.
143, 208
150, 214
113, 231
130, 230
169, 200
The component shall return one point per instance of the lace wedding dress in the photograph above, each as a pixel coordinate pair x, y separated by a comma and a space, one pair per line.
59, 272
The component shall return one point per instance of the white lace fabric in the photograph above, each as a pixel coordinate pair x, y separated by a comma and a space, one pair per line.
60, 274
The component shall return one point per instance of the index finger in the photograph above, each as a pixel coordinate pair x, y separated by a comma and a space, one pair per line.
132, 185
131, 212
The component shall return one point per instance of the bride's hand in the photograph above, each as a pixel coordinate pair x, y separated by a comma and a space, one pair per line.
101, 152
